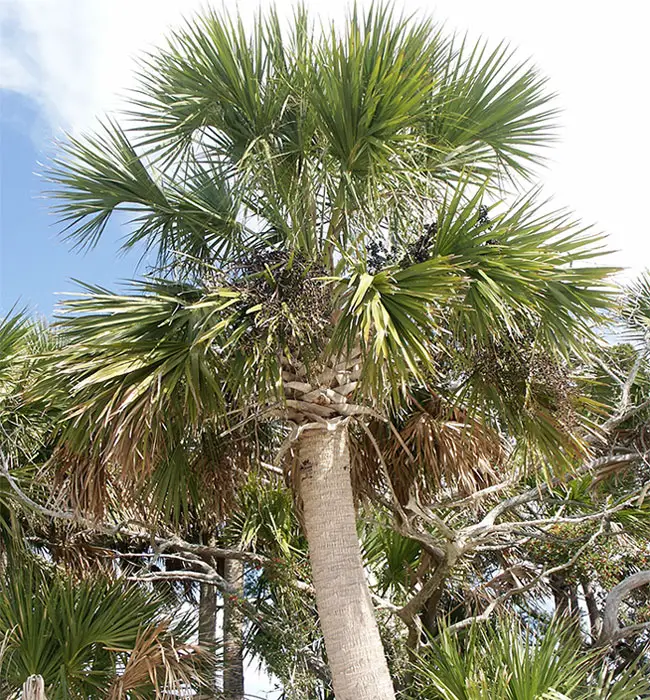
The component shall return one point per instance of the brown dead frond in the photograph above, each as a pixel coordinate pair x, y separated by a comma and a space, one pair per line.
447, 451
201, 473
82, 481
156, 662
79, 558
34, 688
220, 468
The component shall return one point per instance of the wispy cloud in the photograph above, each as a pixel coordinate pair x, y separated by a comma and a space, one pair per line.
76, 59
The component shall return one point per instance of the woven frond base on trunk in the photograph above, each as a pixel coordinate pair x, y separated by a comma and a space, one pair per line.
319, 396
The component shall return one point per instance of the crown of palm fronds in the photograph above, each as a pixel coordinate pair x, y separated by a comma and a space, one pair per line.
267, 170
77, 634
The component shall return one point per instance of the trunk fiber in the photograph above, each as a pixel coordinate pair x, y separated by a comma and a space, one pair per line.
354, 649
233, 634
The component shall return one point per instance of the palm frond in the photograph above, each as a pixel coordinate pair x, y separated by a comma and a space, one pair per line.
522, 664
64, 630
441, 449
636, 309
99, 175
393, 316
155, 663
488, 112
140, 355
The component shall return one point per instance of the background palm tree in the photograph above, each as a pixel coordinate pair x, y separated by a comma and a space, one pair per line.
321, 204
524, 663
91, 638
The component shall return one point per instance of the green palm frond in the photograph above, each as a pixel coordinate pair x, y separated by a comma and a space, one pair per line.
371, 90
523, 663
25, 425
525, 265
266, 522
636, 309
488, 112
104, 173
212, 77
75, 634
194, 482
13, 335
137, 355
393, 316
631, 683
299, 131
393, 559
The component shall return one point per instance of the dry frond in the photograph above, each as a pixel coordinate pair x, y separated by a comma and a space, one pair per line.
220, 470
81, 559
448, 451
34, 689
195, 470
156, 662
82, 481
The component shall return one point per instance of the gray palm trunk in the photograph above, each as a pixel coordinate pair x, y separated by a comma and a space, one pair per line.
233, 633
207, 636
354, 648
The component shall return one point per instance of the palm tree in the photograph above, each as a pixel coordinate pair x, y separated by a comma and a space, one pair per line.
523, 663
91, 638
322, 208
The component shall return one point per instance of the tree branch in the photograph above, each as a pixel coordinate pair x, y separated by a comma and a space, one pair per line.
611, 630
485, 615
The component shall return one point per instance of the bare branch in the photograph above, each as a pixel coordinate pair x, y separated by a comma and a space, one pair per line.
473, 498
611, 630
543, 489
409, 611
621, 417
485, 615
603, 365
62, 515
502, 528
623, 412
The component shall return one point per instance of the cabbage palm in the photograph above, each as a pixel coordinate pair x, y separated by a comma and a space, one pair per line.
522, 664
322, 208
93, 638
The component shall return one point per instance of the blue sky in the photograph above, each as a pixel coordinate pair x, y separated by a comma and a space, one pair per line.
35, 262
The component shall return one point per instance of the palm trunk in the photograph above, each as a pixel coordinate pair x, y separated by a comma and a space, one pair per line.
592, 609
208, 636
34, 689
354, 649
233, 634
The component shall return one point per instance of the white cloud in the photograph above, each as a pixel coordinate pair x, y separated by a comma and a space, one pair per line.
75, 57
